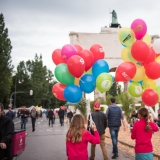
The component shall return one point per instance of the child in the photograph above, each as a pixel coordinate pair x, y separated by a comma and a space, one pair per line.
77, 139
142, 133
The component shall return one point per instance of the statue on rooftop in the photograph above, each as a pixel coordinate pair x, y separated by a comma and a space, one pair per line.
114, 17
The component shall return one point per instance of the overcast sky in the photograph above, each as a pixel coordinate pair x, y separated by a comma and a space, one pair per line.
41, 26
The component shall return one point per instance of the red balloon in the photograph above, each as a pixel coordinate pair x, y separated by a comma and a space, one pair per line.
125, 72
151, 57
78, 47
88, 58
97, 51
150, 97
140, 51
56, 57
152, 70
76, 65
58, 90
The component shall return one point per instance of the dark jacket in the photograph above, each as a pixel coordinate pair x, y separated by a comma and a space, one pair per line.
6, 135
114, 116
61, 113
50, 114
10, 114
100, 121
24, 113
70, 114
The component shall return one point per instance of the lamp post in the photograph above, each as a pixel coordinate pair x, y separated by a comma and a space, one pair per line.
19, 81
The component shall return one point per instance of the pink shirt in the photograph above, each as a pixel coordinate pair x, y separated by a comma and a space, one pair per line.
143, 138
78, 151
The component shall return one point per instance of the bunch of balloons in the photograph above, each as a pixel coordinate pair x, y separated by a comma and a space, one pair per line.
80, 70
141, 66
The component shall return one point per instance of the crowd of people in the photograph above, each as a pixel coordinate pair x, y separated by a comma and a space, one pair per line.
78, 136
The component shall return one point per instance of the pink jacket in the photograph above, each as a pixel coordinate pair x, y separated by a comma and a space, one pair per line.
78, 151
143, 138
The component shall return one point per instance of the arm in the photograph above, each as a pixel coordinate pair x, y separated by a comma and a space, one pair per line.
94, 139
154, 127
123, 121
133, 133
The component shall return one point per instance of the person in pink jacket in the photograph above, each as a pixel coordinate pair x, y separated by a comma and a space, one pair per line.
77, 139
142, 133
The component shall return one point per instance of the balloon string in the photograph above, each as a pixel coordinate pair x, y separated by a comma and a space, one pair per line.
82, 81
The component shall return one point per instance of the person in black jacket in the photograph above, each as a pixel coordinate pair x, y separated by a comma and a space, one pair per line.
61, 115
24, 117
50, 116
69, 116
6, 135
100, 121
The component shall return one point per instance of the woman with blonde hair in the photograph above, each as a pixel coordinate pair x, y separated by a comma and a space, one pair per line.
77, 139
142, 133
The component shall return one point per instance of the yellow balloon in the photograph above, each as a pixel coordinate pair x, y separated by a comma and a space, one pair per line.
126, 36
148, 84
140, 74
147, 39
157, 59
127, 56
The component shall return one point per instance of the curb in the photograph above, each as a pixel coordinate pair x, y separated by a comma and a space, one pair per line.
126, 144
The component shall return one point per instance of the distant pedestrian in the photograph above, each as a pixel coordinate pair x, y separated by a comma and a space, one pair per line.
114, 117
33, 118
69, 116
10, 114
157, 120
77, 139
24, 117
61, 113
54, 116
142, 133
100, 121
50, 117
6, 135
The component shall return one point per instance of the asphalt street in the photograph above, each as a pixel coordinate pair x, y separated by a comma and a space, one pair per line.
48, 143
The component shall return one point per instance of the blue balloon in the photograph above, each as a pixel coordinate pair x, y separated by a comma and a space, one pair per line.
87, 83
73, 93
100, 66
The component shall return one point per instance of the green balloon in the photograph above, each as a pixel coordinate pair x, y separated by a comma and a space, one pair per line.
104, 82
135, 89
62, 74
158, 91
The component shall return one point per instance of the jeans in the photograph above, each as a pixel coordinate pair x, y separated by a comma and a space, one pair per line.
23, 123
103, 148
33, 123
61, 120
114, 136
143, 156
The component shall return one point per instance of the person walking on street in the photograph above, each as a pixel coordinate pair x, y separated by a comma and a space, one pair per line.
100, 121
69, 116
10, 114
24, 117
6, 135
50, 116
142, 133
114, 117
33, 118
61, 115
77, 139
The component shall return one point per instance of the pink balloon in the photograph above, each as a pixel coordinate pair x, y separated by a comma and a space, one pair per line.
68, 51
58, 90
150, 97
139, 27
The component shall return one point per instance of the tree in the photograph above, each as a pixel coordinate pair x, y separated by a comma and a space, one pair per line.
114, 90
5, 63
128, 104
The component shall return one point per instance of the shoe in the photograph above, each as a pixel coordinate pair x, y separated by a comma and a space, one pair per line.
115, 156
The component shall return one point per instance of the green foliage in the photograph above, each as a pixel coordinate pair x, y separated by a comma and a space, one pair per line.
5, 63
114, 90
128, 104
81, 106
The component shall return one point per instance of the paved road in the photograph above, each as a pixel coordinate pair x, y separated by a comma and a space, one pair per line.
48, 143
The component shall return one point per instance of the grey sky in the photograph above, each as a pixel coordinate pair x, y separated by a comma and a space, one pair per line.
41, 26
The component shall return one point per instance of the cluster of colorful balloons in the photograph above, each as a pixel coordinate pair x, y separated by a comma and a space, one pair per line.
141, 66
80, 70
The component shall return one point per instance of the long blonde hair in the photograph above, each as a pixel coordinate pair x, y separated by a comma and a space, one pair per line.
74, 133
